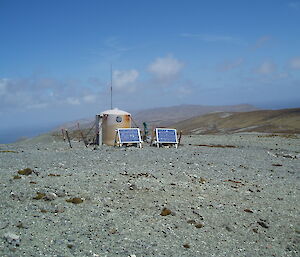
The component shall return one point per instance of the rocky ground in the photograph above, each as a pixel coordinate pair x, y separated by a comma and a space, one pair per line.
222, 195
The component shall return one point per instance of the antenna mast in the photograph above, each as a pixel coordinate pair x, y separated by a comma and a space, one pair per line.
111, 88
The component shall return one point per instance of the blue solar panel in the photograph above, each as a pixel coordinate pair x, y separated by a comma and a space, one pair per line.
130, 135
166, 135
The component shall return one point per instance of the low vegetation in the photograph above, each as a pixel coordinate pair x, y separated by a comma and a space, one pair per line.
286, 122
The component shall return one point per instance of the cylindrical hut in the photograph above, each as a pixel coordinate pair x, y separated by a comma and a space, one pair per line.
112, 120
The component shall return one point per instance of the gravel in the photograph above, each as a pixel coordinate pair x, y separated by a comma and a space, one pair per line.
190, 201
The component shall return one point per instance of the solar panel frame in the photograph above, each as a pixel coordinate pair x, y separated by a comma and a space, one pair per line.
137, 137
158, 138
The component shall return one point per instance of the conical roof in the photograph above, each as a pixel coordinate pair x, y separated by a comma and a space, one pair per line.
115, 111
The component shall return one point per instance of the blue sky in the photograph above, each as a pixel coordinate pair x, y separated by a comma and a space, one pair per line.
55, 56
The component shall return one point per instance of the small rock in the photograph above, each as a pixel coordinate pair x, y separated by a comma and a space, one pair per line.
202, 180
199, 225
20, 225
50, 197
132, 187
3, 225
113, 231
229, 229
165, 212
58, 210
262, 224
186, 246
61, 193
12, 239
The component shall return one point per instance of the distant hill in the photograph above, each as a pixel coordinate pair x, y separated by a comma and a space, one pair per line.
165, 116
271, 121
72, 125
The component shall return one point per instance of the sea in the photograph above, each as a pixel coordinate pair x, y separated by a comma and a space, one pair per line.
12, 135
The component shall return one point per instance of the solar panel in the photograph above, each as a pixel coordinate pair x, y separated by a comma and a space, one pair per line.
129, 135
165, 135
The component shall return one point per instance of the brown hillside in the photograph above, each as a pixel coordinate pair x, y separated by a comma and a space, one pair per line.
165, 116
270, 121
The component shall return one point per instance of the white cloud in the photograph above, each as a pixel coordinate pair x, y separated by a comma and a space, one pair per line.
226, 66
266, 68
3, 83
184, 90
283, 75
125, 79
261, 42
213, 38
37, 93
295, 63
72, 101
294, 5
90, 98
114, 43
165, 68
11, 96
37, 106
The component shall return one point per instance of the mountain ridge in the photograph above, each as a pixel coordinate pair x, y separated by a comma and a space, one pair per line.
266, 121
164, 116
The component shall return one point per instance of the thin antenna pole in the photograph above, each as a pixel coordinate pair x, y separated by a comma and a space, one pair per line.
111, 88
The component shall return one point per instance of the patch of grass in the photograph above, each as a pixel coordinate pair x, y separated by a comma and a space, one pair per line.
284, 122
39, 196
290, 136
25, 172
75, 200
219, 146
53, 175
